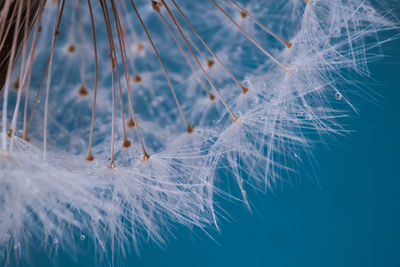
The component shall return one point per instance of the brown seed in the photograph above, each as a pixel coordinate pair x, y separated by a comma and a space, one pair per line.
244, 14
83, 91
126, 144
130, 123
210, 63
90, 157
137, 78
112, 165
190, 129
140, 47
71, 48
146, 157
16, 85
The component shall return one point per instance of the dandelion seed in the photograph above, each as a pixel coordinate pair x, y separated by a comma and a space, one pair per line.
129, 113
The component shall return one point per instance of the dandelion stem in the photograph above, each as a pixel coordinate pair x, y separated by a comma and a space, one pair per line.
178, 26
8, 76
262, 26
249, 37
55, 34
145, 155
83, 65
188, 127
241, 86
96, 71
211, 96
31, 58
22, 74
57, 23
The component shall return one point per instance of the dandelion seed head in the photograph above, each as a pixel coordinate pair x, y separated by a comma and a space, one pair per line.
139, 112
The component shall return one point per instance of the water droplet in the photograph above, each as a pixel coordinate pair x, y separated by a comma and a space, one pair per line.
82, 237
55, 241
255, 100
338, 96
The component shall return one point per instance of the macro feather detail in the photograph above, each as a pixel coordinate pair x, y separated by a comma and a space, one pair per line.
131, 116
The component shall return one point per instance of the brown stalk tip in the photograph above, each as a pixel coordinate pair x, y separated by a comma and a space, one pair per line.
83, 91
212, 97
210, 63
112, 165
16, 85
146, 157
289, 44
71, 48
9, 132
244, 14
156, 6
245, 90
235, 119
140, 47
137, 78
90, 157
126, 144
130, 123
190, 129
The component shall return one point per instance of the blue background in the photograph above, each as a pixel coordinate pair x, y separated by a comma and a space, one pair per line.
350, 216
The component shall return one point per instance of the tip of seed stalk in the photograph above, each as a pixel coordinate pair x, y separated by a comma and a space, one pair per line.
130, 123
112, 165
71, 48
210, 63
140, 47
9, 132
83, 91
146, 157
212, 97
16, 85
126, 144
137, 78
190, 129
90, 158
